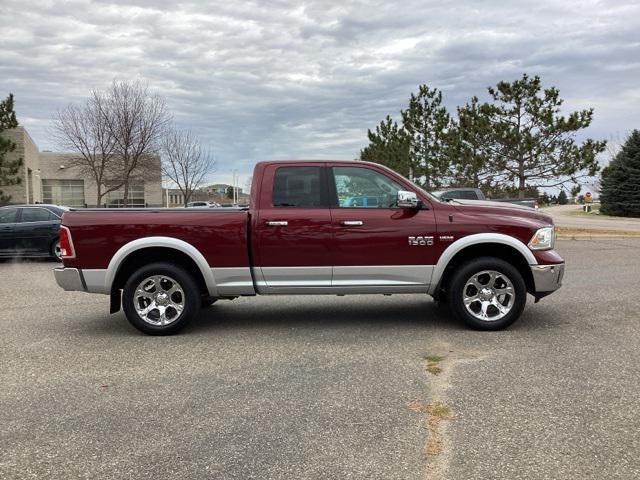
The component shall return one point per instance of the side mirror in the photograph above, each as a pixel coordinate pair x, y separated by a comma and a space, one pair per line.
407, 199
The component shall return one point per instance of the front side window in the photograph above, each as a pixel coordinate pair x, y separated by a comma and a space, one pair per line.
8, 215
35, 215
297, 187
359, 187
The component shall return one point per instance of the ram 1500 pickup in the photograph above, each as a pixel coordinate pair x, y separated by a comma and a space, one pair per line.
313, 227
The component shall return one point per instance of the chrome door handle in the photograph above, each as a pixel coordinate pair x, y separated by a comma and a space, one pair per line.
277, 223
351, 223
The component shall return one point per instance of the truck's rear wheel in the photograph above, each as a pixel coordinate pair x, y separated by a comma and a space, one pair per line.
160, 299
487, 293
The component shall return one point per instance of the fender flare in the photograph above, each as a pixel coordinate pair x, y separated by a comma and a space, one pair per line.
476, 239
166, 242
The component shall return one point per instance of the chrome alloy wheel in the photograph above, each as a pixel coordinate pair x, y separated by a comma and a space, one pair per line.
488, 295
159, 300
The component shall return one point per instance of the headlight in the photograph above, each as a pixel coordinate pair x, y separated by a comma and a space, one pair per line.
543, 239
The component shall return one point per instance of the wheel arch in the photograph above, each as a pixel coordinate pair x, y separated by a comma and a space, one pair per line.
163, 249
496, 245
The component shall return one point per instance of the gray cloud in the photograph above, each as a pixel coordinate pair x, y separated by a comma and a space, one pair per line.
289, 79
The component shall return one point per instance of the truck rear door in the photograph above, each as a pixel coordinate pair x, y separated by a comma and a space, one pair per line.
292, 231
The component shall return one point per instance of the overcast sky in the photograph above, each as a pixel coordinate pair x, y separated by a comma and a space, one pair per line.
293, 79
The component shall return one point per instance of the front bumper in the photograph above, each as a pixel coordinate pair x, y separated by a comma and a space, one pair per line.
547, 278
70, 279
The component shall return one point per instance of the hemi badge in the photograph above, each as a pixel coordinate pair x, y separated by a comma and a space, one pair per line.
446, 238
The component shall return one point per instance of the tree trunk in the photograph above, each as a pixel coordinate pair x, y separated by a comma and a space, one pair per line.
521, 178
521, 188
125, 194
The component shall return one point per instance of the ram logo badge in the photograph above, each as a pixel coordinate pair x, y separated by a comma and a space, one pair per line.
421, 240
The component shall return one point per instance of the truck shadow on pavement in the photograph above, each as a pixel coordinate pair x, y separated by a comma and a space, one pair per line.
413, 313
326, 313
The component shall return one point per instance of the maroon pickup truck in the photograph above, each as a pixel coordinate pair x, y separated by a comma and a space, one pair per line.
314, 227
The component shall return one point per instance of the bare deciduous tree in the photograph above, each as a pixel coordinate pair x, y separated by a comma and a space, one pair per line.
136, 118
115, 132
83, 128
185, 162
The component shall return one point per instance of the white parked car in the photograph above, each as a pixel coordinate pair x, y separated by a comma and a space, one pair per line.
202, 204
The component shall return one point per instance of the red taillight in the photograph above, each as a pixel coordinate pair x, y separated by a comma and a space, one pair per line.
66, 244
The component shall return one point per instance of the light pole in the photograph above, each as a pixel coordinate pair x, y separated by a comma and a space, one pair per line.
234, 188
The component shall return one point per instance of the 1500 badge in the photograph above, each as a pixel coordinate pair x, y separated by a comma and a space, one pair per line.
421, 240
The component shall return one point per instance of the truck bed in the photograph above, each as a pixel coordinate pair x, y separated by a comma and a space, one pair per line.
220, 235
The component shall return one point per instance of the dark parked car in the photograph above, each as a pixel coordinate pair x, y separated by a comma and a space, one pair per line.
459, 193
30, 230
476, 194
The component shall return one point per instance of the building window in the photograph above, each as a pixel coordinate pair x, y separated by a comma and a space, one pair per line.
114, 199
69, 193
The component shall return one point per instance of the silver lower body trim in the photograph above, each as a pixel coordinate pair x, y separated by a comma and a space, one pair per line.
343, 279
70, 279
547, 278
351, 290
95, 280
291, 277
232, 281
382, 275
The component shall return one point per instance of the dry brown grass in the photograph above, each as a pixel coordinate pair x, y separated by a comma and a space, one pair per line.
435, 413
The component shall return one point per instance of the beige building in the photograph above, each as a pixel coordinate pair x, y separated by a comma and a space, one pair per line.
49, 177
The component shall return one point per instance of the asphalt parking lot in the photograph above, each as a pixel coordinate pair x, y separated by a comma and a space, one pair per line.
322, 387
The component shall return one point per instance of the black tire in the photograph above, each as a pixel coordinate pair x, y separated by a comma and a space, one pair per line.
190, 301
207, 302
465, 272
55, 250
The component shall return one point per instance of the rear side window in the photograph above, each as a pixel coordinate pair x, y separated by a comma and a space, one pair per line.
8, 215
35, 215
297, 187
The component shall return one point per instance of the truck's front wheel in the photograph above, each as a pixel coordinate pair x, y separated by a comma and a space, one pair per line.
487, 293
160, 299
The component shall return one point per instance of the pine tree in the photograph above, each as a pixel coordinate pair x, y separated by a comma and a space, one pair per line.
469, 147
620, 187
389, 146
562, 198
9, 169
531, 142
427, 124
545, 199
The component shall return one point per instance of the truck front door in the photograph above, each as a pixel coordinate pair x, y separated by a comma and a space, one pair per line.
378, 246
292, 232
